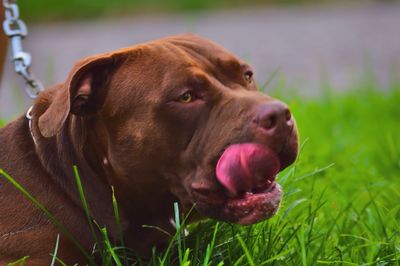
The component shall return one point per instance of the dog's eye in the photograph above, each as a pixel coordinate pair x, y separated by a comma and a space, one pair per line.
248, 76
187, 97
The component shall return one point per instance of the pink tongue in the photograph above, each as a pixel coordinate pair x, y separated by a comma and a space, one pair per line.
243, 167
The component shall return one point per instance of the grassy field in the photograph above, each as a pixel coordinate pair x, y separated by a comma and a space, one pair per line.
342, 198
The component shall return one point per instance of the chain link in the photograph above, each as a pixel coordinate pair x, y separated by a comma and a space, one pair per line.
16, 30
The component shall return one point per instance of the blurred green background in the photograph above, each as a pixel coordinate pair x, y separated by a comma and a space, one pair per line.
45, 10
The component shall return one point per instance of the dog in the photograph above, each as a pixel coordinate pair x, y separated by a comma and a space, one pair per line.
178, 119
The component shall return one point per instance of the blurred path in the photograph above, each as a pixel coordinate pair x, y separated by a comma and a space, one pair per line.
307, 45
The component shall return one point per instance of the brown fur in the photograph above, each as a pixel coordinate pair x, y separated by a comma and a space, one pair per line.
116, 117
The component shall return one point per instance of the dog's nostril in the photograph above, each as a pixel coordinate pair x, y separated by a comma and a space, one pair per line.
270, 122
273, 115
288, 115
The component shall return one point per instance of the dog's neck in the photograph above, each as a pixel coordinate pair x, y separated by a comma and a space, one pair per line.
59, 154
143, 215
79, 143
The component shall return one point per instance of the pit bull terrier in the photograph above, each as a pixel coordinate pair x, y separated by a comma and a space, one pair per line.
173, 120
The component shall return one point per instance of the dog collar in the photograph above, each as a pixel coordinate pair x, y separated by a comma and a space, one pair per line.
28, 116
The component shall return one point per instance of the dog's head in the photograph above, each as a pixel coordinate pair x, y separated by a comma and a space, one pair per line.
180, 115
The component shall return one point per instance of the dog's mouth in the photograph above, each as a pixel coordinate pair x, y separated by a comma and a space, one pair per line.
246, 172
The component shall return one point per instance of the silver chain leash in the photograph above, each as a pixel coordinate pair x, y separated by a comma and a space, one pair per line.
16, 30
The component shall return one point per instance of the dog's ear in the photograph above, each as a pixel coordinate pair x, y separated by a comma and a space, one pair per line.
82, 93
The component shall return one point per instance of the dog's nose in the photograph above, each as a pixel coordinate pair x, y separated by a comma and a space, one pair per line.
273, 117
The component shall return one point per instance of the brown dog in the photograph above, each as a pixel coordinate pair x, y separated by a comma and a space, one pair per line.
178, 119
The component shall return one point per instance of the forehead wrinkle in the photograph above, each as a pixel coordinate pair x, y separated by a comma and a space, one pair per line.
177, 54
206, 53
199, 60
213, 60
201, 76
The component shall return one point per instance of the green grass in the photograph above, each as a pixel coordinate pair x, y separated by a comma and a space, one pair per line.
342, 197
45, 10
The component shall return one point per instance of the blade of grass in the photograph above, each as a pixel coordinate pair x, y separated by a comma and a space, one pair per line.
119, 226
337, 262
210, 246
54, 255
239, 261
178, 231
61, 262
303, 252
109, 247
315, 172
276, 257
246, 251
274, 74
84, 203
19, 262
